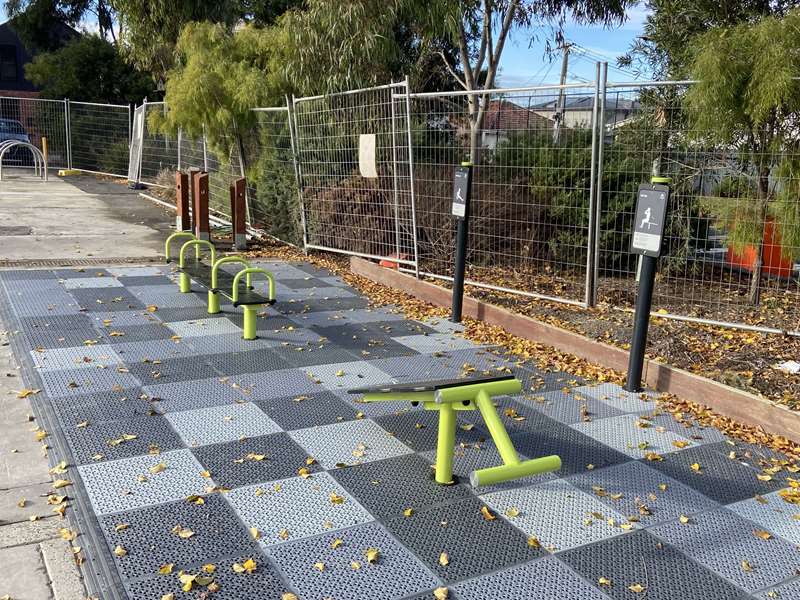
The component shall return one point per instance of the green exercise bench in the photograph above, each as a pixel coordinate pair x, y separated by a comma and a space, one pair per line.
236, 287
450, 396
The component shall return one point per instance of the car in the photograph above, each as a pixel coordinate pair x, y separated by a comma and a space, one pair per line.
11, 129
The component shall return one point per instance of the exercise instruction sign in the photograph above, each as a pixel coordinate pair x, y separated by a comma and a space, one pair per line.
460, 192
649, 220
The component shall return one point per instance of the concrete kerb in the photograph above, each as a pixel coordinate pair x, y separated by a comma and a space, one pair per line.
737, 404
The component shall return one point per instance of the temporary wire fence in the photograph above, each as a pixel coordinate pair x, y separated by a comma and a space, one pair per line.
31, 119
99, 136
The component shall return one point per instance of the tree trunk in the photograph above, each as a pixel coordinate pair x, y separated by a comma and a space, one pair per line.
761, 215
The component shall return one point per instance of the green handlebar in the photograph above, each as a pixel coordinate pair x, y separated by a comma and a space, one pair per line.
466, 393
191, 243
224, 260
248, 271
174, 236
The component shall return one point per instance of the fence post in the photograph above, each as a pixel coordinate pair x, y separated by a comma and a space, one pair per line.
601, 124
180, 137
240, 150
238, 190
411, 176
395, 189
590, 296
291, 118
68, 132
205, 153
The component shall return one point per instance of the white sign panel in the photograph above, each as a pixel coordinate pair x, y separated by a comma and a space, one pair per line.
366, 156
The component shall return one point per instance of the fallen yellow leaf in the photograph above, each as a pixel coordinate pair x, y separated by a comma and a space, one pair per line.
165, 569
120, 551
637, 588
372, 555
444, 560
487, 514
441, 593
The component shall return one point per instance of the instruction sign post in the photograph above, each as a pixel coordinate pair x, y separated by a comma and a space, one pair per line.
462, 187
648, 233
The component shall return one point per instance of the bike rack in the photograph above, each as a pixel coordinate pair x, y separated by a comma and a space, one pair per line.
39, 160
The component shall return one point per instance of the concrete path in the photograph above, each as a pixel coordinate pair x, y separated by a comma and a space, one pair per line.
76, 217
63, 219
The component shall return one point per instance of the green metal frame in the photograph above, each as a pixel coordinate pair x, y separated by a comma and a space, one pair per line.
251, 311
175, 236
476, 396
213, 293
184, 281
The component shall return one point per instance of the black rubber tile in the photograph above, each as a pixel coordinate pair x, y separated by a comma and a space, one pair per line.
254, 361
313, 353
106, 299
45, 337
138, 333
640, 558
80, 272
56, 323
263, 583
398, 328
302, 411
473, 545
577, 451
137, 280
537, 380
151, 543
418, 429
282, 458
102, 407
171, 369
319, 304
23, 274
516, 416
720, 478
304, 283
175, 315
106, 439
265, 323
387, 487
311, 270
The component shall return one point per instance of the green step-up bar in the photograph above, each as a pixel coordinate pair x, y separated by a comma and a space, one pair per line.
476, 396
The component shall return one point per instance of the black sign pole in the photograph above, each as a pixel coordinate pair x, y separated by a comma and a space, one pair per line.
649, 221
462, 187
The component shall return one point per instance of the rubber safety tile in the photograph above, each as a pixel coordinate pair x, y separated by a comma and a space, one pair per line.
188, 395
296, 507
225, 423
569, 408
102, 407
773, 514
321, 567
472, 545
641, 560
347, 375
298, 412
633, 435
170, 370
418, 429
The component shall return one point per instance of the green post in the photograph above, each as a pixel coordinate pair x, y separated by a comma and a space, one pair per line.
445, 443
496, 428
184, 283
250, 313
213, 302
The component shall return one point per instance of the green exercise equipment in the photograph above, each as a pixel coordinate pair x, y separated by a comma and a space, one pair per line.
450, 396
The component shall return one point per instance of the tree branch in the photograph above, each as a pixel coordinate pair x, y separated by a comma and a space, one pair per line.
452, 70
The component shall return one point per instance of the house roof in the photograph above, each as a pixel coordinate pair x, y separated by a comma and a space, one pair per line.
586, 102
506, 115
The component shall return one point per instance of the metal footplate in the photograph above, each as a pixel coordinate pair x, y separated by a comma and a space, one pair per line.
451, 395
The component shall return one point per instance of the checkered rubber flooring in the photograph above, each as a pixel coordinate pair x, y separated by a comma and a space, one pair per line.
193, 451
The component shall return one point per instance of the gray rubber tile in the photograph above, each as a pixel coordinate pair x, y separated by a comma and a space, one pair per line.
421, 367
298, 412
131, 272
613, 395
377, 409
105, 440
347, 375
639, 558
473, 545
170, 370
265, 582
79, 382
720, 478
77, 357
229, 343
189, 395
397, 327
687, 427
110, 321
720, 540
150, 541
253, 361
225, 423
758, 457
516, 416
21, 274
151, 350
311, 354
297, 507
138, 333
56, 323
782, 592
773, 514
174, 306
578, 452
632, 435
205, 326
537, 381
106, 300
348, 443
302, 283
127, 484
434, 342
544, 579
102, 407
274, 384
388, 487
396, 573
75, 272
298, 308
64, 338
236, 464
558, 514
77, 283
418, 429
569, 408
629, 487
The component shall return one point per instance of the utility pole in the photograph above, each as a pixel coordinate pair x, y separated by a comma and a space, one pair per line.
558, 117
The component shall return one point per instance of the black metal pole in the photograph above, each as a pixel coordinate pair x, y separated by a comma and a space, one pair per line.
461, 249
641, 320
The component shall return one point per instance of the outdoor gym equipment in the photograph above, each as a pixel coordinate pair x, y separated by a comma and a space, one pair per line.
218, 281
450, 396
462, 190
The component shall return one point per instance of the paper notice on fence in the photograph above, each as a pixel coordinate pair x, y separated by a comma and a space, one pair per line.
366, 155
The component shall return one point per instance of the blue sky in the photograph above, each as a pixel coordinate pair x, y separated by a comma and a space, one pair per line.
524, 63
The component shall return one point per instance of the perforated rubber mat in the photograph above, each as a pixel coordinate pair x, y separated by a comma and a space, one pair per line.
191, 447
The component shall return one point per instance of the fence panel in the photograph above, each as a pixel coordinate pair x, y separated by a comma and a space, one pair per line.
532, 186
344, 211
35, 118
721, 212
159, 151
99, 137
271, 177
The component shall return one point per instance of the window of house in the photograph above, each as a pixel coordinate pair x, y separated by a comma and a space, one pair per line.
8, 62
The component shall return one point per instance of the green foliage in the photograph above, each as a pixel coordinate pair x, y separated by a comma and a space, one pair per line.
40, 23
733, 206
88, 69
